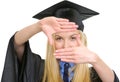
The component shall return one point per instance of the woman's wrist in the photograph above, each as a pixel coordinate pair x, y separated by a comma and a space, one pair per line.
95, 60
39, 26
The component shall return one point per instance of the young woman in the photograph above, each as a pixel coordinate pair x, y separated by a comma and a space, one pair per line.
66, 44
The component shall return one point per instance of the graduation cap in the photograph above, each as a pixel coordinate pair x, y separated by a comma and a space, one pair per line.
66, 9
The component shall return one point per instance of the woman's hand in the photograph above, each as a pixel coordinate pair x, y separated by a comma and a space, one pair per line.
50, 25
76, 55
80, 54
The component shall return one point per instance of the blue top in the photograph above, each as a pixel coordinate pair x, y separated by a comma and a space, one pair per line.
61, 63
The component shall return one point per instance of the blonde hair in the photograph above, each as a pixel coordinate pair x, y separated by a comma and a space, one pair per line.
52, 73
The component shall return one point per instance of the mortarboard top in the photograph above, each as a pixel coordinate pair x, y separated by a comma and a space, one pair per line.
69, 10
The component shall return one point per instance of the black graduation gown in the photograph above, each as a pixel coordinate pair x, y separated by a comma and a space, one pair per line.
32, 67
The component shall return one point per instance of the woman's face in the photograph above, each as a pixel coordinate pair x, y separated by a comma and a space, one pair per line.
66, 39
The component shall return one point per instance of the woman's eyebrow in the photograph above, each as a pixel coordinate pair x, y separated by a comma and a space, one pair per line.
75, 34
57, 36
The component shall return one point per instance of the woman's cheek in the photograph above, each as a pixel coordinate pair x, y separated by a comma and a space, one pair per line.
58, 45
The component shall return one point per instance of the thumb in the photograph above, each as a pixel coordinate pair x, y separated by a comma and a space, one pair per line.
79, 41
50, 39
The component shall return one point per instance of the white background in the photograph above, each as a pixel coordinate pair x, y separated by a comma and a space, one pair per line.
102, 31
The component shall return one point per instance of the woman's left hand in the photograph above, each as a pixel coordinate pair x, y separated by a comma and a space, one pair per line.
80, 54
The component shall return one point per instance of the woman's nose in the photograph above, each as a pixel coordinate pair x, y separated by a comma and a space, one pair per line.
66, 44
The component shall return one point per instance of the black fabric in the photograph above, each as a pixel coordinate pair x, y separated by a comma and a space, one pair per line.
67, 9
116, 79
94, 76
10, 72
32, 67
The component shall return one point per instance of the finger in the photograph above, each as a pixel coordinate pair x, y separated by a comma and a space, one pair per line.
62, 20
79, 41
50, 39
64, 50
67, 30
64, 53
70, 26
66, 23
70, 56
64, 57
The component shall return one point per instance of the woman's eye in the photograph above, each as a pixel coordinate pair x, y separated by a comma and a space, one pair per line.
59, 38
73, 38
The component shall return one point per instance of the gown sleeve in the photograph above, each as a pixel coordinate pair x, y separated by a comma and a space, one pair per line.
96, 78
30, 70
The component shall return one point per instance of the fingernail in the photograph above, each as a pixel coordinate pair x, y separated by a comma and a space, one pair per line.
56, 51
77, 26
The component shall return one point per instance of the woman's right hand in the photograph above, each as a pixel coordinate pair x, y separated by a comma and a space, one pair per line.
50, 25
